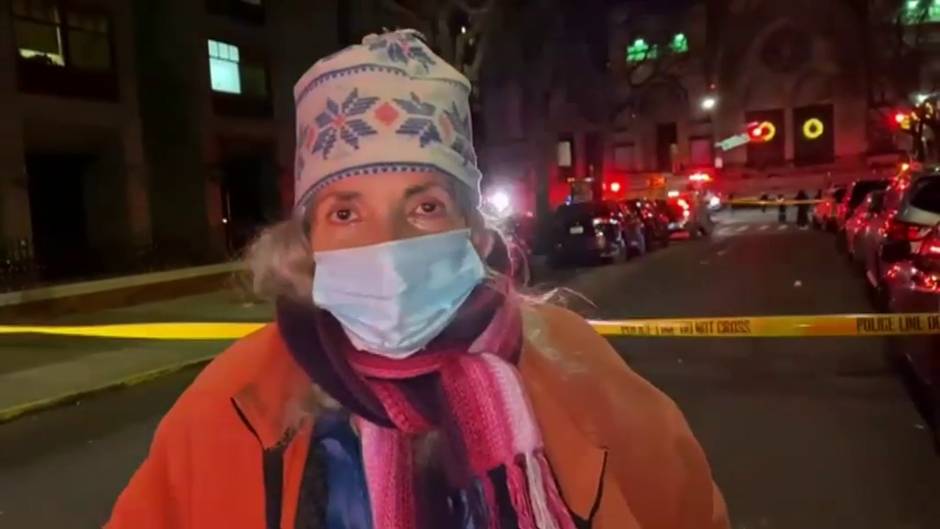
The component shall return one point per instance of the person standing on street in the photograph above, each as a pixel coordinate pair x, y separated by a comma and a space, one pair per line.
802, 209
405, 384
781, 209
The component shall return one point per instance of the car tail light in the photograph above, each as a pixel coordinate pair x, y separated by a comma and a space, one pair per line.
905, 231
928, 257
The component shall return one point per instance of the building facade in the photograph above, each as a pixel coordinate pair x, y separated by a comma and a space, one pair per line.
687, 78
138, 134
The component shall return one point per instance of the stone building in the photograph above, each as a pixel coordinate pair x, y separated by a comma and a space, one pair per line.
147, 133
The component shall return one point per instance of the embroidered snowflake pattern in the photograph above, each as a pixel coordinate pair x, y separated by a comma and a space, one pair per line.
403, 48
420, 122
462, 143
341, 121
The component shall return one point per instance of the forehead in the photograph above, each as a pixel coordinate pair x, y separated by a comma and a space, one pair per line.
389, 186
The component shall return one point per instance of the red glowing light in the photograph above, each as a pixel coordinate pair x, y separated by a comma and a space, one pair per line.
615, 187
900, 117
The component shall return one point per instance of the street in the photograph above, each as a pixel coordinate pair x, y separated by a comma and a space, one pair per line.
801, 433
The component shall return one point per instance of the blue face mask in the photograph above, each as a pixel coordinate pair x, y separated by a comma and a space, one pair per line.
395, 297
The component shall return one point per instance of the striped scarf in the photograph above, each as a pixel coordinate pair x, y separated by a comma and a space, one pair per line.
463, 389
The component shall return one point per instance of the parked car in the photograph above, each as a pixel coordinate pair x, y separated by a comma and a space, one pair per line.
858, 225
687, 213
910, 211
655, 222
587, 230
824, 213
912, 284
854, 195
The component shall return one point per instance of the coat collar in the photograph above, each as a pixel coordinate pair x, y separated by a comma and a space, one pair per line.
280, 400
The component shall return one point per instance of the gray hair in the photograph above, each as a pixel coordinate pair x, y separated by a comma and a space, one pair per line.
280, 259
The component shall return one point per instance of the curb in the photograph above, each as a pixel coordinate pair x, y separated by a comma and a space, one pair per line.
15, 412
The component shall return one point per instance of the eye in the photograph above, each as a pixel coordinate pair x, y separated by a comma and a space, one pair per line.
430, 208
342, 216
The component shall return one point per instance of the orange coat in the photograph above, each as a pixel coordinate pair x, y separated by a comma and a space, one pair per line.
621, 450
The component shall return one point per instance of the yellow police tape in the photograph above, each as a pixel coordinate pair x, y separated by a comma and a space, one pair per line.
775, 326
741, 327
144, 331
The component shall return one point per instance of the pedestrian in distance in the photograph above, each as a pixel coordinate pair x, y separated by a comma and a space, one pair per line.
802, 209
781, 209
764, 199
405, 383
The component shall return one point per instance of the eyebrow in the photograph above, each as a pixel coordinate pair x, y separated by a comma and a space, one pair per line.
421, 188
339, 195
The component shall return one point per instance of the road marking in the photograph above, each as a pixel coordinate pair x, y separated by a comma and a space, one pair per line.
763, 227
742, 229
783, 227
722, 252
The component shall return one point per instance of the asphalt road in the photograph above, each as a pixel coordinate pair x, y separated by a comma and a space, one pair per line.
802, 434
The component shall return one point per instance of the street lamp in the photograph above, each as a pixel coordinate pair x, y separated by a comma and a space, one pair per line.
709, 103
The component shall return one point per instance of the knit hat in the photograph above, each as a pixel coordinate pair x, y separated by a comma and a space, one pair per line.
387, 105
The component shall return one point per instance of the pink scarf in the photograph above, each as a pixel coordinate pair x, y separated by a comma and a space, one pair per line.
465, 388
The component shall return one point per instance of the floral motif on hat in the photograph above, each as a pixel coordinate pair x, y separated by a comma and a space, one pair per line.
341, 122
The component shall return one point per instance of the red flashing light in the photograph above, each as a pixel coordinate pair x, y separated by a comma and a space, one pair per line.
700, 177
615, 187
899, 117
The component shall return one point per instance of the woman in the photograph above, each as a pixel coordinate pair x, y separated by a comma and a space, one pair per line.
404, 385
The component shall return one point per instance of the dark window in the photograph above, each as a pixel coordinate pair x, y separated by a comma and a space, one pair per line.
666, 145
248, 11
927, 196
62, 51
89, 41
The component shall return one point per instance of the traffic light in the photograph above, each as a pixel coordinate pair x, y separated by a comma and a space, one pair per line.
761, 132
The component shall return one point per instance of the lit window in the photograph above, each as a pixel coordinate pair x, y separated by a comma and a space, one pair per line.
38, 32
679, 43
921, 11
640, 51
224, 71
564, 153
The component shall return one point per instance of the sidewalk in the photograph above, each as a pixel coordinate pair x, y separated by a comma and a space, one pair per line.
37, 372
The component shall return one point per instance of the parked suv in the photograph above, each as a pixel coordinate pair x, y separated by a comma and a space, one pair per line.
587, 230
912, 284
910, 211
